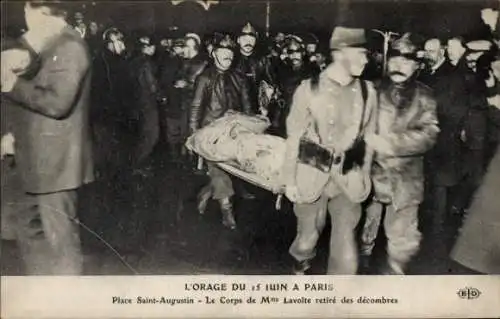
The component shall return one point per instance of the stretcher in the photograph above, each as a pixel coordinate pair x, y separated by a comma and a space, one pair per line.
254, 179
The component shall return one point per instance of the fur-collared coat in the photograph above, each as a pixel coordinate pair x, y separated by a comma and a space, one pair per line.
411, 128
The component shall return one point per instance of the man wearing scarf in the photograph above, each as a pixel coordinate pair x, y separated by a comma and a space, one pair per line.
219, 89
407, 128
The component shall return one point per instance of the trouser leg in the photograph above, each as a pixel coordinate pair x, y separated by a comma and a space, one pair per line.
310, 223
148, 135
48, 234
222, 186
345, 216
403, 236
371, 227
222, 191
440, 200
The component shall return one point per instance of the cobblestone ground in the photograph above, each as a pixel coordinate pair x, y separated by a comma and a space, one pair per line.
148, 224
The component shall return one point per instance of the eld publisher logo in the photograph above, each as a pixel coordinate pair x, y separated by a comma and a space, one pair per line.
469, 293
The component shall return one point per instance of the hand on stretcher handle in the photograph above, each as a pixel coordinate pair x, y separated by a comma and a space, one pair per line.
279, 198
200, 163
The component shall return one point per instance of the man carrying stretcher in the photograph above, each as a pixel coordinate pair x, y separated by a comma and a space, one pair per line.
326, 157
218, 90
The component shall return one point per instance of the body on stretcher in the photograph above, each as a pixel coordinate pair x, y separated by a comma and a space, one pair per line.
252, 178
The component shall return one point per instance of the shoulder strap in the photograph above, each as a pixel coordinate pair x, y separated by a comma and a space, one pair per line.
364, 91
364, 95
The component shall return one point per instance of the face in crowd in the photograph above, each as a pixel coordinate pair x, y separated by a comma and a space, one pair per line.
190, 48
280, 37
210, 48
295, 54
79, 18
247, 43
401, 68
434, 51
115, 43
165, 44
352, 59
178, 51
93, 27
311, 48
149, 50
223, 58
472, 58
455, 50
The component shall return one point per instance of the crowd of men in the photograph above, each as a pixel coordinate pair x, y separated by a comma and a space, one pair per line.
412, 145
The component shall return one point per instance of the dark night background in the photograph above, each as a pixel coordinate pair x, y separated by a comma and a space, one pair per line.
426, 17
181, 241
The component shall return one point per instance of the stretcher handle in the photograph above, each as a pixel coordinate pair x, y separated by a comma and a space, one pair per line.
200, 163
279, 198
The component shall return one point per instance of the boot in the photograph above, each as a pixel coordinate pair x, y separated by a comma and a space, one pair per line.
300, 267
203, 197
364, 264
393, 267
227, 214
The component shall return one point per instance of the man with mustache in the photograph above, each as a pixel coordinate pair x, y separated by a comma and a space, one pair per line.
219, 89
255, 69
407, 128
450, 166
250, 63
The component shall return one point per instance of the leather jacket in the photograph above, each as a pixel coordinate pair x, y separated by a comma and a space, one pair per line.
215, 93
189, 71
254, 69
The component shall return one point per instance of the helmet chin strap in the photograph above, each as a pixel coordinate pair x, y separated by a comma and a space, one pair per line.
218, 63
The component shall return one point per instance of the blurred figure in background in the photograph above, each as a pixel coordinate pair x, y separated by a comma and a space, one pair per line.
80, 25
54, 145
192, 66
111, 105
146, 95
169, 64
455, 49
478, 245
